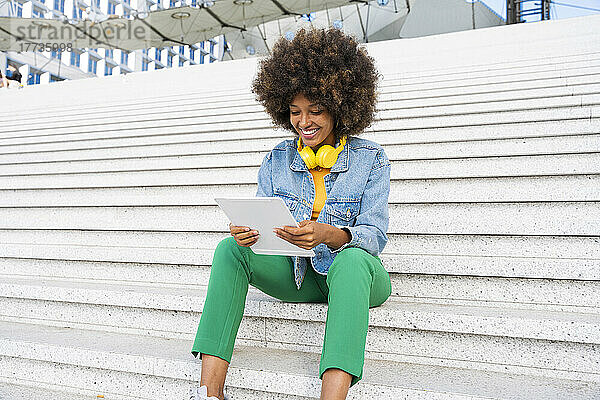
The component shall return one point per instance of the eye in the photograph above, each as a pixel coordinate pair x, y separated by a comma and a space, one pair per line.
295, 112
318, 112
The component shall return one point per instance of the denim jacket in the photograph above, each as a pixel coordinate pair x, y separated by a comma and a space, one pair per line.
357, 188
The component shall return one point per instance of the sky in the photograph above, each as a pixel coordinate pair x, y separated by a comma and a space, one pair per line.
557, 11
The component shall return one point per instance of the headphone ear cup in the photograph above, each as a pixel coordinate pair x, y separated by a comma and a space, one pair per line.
326, 156
308, 155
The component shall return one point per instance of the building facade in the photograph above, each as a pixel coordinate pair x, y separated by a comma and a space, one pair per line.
51, 66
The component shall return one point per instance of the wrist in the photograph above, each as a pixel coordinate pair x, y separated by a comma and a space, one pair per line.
336, 237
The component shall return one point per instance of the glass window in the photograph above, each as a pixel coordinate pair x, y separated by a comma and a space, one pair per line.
92, 65
34, 78
124, 57
144, 65
181, 50
171, 3
108, 69
181, 62
77, 12
111, 8
56, 54
194, 2
157, 54
59, 5
18, 9
97, 3
37, 13
75, 58
192, 54
212, 48
169, 59
109, 53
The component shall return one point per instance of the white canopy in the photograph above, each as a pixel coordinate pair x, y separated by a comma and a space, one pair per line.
168, 27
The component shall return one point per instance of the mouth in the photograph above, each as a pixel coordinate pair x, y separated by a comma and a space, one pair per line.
309, 133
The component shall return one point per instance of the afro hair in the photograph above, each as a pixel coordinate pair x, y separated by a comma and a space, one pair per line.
330, 69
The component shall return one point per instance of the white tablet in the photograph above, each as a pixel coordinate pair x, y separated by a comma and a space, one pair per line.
263, 214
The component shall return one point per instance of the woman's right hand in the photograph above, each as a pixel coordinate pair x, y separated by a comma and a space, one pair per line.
243, 235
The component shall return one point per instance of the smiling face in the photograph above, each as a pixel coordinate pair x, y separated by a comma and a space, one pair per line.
312, 121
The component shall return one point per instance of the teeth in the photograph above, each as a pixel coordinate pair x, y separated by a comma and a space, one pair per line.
309, 132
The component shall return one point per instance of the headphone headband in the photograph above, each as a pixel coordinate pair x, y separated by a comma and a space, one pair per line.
326, 156
342, 143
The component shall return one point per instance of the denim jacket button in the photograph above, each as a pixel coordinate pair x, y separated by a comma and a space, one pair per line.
348, 213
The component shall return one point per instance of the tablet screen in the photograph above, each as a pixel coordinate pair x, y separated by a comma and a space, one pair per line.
263, 214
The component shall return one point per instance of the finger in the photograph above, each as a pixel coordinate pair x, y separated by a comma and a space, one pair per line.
285, 236
292, 230
238, 229
246, 235
297, 240
246, 244
302, 245
248, 241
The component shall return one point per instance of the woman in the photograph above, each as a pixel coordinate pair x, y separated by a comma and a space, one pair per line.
3, 81
321, 86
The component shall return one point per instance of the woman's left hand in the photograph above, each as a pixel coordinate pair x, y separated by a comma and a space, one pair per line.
309, 234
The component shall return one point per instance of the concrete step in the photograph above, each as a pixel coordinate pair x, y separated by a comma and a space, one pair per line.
574, 294
388, 100
399, 330
209, 156
541, 257
527, 63
527, 218
392, 89
480, 190
397, 109
119, 365
36, 391
492, 88
244, 101
387, 120
389, 85
255, 112
482, 68
482, 167
404, 52
577, 84
506, 76
462, 49
188, 143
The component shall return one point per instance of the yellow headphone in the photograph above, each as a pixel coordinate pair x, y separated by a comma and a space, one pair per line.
326, 155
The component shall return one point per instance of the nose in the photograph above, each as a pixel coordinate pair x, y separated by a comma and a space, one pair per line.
305, 120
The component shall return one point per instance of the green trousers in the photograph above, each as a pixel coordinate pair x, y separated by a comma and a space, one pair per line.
355, 282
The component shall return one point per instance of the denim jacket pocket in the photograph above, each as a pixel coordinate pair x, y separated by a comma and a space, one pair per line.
342, 212
290, 199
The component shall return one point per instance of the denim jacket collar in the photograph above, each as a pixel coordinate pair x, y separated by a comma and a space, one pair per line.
341, 165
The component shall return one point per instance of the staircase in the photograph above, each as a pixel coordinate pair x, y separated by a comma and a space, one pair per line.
108, 225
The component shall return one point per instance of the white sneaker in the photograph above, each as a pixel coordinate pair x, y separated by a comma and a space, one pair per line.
201, 393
